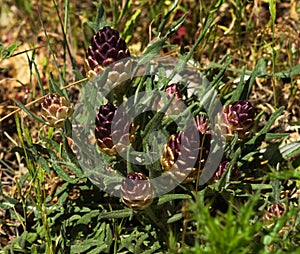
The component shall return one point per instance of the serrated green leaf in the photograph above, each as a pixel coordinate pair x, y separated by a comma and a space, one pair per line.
87, 245
56, 164
44, 164
86, 219
99, 249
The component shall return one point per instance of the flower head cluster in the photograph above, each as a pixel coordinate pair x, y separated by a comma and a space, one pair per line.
237, 117
103, 129
106, 47
55, 110
137, 191
185, 147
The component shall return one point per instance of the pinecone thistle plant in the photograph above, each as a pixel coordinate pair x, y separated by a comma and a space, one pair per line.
55, 110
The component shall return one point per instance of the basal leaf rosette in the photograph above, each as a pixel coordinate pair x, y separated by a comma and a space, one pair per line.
237, 117
137, 191
55, 110
103, 127
182, 148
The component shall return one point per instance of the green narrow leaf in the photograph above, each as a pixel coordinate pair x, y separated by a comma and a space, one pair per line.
54, 88
166, 17
129, 26
28, 112
56, 164
220, 75
286, 175
216, 6
288, 73
85, 219
63, 29
174, 218
174, 28
116, 214
100, 18
238, 91
267, 127
50, 48
272, 8
7, 52
259, 70
169, 197
124, 10
39, 78
155, 46
290, 150
44, 164
270, 136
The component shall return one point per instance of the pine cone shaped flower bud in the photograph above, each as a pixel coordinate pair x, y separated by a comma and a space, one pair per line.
237, 117
177, 105
137, 191
106, 47
171, 151
176, 157
274, 211
223, 166
103, 130
55, 110
173, 90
